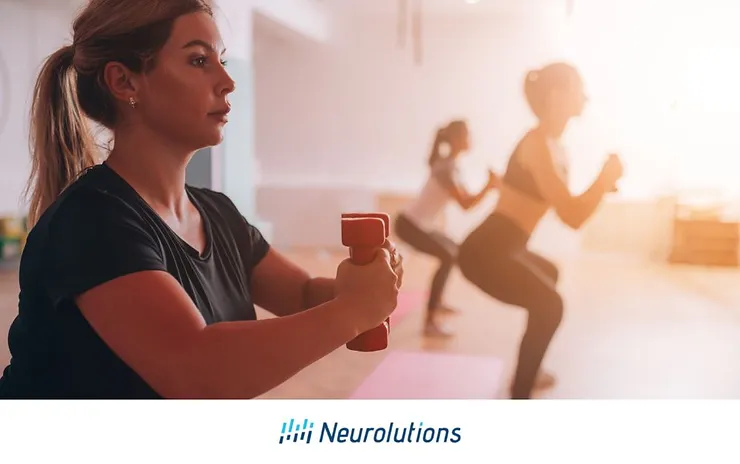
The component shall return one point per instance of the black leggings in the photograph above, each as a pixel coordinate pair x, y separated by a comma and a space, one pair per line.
495, 258
431, 243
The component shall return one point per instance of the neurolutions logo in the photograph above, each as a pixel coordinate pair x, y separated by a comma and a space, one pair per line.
295, 431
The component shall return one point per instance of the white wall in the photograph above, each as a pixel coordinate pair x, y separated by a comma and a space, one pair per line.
305, 17
29, 31
361, 115
363, 108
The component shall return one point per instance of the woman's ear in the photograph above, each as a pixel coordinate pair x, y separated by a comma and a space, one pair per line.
121, 82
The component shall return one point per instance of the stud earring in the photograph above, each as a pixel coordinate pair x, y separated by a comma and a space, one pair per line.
132, 102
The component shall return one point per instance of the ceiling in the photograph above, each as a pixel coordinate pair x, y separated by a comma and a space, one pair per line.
440, 8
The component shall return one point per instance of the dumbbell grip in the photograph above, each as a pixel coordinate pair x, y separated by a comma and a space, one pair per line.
362, 254
374, 339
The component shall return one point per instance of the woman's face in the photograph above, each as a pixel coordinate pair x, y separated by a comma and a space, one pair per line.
568, 100
185, 96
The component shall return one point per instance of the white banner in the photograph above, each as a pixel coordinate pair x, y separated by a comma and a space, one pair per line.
377, 432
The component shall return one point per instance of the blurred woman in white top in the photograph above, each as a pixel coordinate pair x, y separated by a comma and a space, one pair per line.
415, 225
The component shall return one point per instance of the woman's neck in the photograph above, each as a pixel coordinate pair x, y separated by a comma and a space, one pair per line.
154, 169
553, 128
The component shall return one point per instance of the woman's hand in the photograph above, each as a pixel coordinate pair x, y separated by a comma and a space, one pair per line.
320, 290
369, 291
396, 261
494, 181
612, 171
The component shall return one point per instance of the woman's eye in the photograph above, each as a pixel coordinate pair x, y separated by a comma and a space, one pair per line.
202, 61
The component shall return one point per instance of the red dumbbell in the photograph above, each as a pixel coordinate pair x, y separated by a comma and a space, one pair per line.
364, 234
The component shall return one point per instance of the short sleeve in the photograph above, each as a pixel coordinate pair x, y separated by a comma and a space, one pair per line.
93, 238
258, 246
250, 242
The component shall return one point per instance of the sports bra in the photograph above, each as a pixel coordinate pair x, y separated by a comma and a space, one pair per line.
517, 175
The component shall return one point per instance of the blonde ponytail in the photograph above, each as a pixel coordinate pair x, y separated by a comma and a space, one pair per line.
61, 143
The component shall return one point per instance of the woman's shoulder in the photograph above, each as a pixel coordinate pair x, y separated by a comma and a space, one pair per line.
220, 209
95, 197
215, 203
96, 209
225, 214
445, 167
91, 212
531, 145
533, 139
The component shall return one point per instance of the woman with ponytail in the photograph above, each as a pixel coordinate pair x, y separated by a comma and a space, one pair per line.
132, 283
495, 256
415, 225
60, 140
439, 140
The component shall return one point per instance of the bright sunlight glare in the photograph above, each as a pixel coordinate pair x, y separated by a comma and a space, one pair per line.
664, 74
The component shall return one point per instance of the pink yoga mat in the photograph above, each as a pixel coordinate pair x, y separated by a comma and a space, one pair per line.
420, 375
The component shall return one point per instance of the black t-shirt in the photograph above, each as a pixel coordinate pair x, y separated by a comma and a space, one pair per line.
98, 230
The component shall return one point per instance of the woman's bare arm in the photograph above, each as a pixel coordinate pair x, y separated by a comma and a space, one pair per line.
573, 210
149, 321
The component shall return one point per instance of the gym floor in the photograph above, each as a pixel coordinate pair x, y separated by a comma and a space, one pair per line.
632, 330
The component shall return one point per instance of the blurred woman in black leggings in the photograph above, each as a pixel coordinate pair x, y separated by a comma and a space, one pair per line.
416, 224
495, 258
